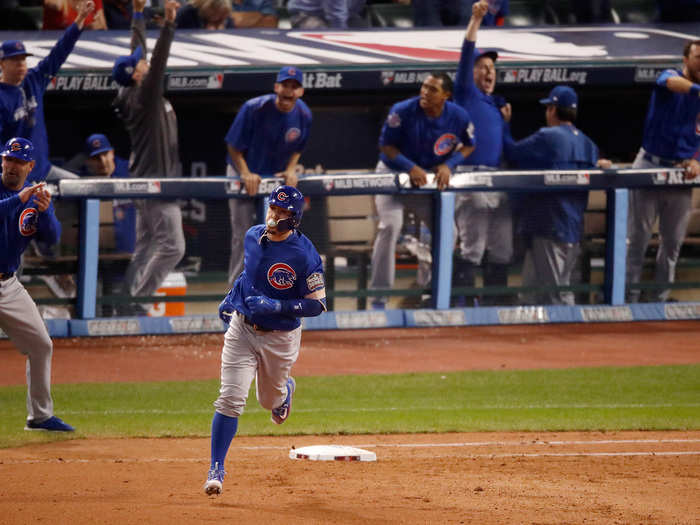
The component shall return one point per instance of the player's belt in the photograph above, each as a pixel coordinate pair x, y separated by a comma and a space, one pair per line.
661, 161
256, 327
6, 276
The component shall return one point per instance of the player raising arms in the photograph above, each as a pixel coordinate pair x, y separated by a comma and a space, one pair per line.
282, 281
26, 212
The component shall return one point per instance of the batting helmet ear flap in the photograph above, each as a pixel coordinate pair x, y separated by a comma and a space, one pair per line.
291, 199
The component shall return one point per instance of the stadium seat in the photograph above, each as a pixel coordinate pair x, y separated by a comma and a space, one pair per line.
390, 15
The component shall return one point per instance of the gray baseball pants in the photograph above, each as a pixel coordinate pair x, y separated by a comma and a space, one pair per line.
484, 223
160, 244
250, 354
21, 321
549, 263
672, 207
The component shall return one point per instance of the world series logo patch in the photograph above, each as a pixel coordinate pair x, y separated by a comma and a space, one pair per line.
27, 222
281, 276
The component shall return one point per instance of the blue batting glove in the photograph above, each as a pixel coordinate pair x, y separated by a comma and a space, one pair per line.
260, 304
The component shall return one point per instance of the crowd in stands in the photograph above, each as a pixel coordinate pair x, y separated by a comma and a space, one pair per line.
340, 14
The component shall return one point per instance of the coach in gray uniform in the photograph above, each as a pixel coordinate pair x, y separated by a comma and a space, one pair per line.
152, 125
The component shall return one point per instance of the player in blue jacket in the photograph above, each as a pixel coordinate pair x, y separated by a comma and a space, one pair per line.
26, 212
420, 134
483, 219
265, 140
671, 139
22, 90
552, 221
281, 282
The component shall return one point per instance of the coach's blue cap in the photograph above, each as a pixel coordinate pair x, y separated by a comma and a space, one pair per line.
292, 72
13, 48
124, 67
18, 148
562, 96
97, 143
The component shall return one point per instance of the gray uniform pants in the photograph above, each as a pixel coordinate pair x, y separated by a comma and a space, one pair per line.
242, 213
21, 321
549, 263
672, 207
160, 244
249, 353
484, 223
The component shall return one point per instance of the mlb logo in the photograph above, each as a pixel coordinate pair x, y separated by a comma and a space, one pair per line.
387, 77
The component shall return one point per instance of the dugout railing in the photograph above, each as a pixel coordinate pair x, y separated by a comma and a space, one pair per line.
615, 183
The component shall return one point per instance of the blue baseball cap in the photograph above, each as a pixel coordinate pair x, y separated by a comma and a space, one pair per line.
478, 53
292, 72
13, 48
124, 67
18, 148
97, 143
561, 96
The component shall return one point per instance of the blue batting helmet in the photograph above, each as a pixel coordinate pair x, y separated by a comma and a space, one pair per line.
290, 199
18, 148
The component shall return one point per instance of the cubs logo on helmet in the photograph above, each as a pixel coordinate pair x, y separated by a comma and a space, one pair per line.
15, 146
281, 276
282, 196
27, 221
444, 144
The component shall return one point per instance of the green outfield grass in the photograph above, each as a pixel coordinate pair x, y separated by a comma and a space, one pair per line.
634, 398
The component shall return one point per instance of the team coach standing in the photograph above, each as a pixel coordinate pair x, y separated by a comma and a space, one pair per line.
26, 212
152, 126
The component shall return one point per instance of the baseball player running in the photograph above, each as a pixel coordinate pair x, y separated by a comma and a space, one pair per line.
265, 140
22, 90
152, 125
420, 134
281, 282
483, 219
26, 212
671, 138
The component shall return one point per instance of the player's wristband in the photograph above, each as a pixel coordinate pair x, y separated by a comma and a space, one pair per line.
455, 160
695, 90
303, 307
403, 162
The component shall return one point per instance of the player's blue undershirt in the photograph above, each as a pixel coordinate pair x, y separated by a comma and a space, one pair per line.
268, 137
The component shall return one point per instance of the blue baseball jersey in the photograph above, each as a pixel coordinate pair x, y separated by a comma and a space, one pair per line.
556, 215
22, 107
425, 140
289, 269
268, 137
19, 224
672, 124
489, 126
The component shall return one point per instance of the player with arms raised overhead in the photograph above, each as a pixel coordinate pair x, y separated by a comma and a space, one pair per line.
282, 281
26, 212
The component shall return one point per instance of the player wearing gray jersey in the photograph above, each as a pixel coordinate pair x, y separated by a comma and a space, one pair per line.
152, 125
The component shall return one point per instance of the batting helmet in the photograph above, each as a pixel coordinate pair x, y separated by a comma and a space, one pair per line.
290, 199
18, 148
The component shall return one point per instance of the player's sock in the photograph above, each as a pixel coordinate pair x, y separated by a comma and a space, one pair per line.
223, 428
